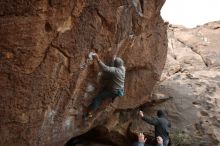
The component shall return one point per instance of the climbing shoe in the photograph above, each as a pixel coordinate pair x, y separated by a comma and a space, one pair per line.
88, 115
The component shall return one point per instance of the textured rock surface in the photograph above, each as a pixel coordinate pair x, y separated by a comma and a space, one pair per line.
189, 90
44, 81
191, 79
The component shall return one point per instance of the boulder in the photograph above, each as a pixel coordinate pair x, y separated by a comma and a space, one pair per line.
46, 78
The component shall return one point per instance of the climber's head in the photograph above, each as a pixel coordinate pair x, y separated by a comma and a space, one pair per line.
118, 62
160, 113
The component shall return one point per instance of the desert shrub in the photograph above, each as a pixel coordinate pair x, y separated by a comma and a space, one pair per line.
180, 138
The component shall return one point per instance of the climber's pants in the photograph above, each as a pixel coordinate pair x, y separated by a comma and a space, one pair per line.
101, 97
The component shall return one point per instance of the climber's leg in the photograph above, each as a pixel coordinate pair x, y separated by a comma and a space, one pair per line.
99, 98
97, 102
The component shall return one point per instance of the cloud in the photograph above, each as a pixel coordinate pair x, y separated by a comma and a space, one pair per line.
191, 13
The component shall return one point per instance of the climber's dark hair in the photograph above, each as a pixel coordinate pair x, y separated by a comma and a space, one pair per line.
160, 113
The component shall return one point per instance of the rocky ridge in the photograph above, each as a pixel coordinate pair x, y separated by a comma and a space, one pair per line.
191, 82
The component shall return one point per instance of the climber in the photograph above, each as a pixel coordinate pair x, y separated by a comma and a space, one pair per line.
142, 140
117, 72
139, 6
161, 125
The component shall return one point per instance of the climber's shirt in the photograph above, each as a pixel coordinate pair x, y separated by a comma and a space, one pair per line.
118, 77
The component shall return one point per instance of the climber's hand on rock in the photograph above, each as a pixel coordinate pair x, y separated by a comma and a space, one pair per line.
96, 56
141, 138
141, 114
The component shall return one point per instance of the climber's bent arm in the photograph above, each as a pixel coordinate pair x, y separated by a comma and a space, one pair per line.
106, 68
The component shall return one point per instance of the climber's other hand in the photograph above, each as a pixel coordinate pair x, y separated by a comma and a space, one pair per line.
96, 56
141, 138
141, 114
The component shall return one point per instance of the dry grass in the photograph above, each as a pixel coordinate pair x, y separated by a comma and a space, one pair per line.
180, 138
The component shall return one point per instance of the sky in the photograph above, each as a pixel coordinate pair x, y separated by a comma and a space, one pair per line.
191, 13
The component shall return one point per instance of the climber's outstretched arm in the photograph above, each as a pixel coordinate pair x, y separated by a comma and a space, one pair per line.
152, 121
104, 67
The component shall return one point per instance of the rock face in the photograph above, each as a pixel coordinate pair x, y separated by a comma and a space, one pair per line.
46, 80
191, 79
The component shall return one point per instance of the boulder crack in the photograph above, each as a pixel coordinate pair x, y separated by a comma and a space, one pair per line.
192, 48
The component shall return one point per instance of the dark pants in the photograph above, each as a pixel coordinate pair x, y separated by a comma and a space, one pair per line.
100, 98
